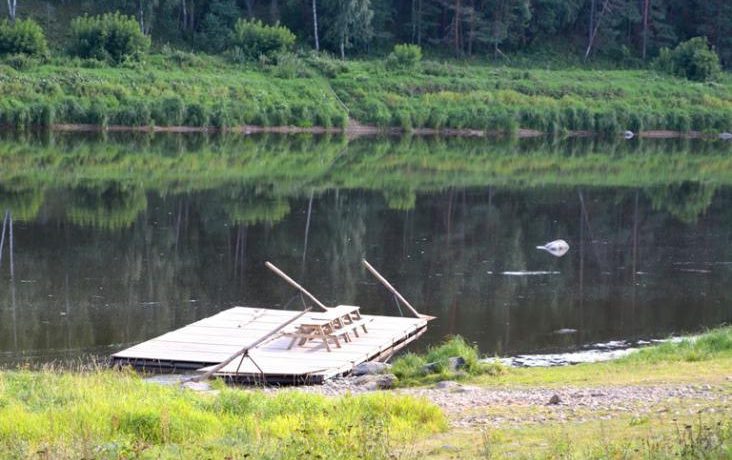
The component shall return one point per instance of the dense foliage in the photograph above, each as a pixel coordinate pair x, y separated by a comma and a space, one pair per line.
692, 59
22, 37
624, 31
254, 39
404, 57
110, 37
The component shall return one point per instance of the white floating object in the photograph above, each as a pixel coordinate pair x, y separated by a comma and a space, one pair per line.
725, 136
629, 134
556, 248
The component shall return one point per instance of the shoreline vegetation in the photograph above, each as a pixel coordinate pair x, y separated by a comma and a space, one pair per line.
315, 93
106, 413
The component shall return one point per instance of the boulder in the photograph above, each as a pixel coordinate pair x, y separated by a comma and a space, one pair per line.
554, 400
375, 382
447, 385
370, 368
455, 363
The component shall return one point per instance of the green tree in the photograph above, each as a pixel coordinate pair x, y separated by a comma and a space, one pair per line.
218, 24
112, 37
507, 20
350, 24
22, 37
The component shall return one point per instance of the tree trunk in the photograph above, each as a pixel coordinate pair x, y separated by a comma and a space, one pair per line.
343, 48
250, 8
141, 14
274, 11
591, 26
646, 8
593, 32
419, 22
471, 34
315, 26
457, 28
414, 21
12, 8
183, 15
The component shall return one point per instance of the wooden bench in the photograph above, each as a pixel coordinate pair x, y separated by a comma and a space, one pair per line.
333, 325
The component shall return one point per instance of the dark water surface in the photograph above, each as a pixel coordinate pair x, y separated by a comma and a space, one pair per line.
116, 241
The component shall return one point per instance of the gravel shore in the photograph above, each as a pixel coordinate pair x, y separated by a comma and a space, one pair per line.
470, 406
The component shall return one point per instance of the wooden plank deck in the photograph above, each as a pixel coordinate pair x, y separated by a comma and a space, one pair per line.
211, 340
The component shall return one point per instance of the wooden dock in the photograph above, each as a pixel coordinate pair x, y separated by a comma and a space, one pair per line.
212, 340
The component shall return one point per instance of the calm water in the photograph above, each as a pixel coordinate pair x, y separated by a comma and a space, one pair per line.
118, 240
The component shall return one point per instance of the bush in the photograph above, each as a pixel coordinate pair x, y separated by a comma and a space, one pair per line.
112, 37
254, 39
169, 112
20, 61
22, 37
691, 59
404, 57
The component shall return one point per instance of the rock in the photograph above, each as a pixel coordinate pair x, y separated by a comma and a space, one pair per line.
447, 385
455, 363
370, 368
554, 400
628, 135
430, 368
375, 382
725, 136
450, 448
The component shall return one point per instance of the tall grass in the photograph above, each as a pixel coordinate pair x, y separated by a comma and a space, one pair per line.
434, 365
712, 344
107, 414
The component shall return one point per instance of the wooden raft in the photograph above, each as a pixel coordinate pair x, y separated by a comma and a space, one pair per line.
212, 340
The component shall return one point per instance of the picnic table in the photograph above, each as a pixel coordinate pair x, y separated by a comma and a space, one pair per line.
331, 325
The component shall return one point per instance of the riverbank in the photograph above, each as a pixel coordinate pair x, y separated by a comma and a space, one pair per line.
313, 93
673, 399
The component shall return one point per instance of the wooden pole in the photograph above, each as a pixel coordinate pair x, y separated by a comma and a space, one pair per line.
294, 284
391, 288
246, 349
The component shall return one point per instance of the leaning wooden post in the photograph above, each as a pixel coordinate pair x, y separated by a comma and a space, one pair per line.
391, 288
294, 283
246, 349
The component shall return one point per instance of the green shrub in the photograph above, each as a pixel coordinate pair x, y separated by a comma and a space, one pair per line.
168, 112
132, 113
290, 66
20, 61
691, 59
111, 37
255, 39
196, 115
404, 57
23, 37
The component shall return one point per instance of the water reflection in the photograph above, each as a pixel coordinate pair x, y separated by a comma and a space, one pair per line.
116, 241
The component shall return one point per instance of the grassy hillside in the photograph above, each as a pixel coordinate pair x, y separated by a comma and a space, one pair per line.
183, 89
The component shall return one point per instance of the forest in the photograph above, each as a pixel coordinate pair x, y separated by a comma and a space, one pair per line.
625, 32
599, 67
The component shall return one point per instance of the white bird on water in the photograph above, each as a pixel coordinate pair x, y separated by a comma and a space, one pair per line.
556, 248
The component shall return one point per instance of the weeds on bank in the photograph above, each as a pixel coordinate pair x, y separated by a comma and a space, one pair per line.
715, 343
698, 437
413, 369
